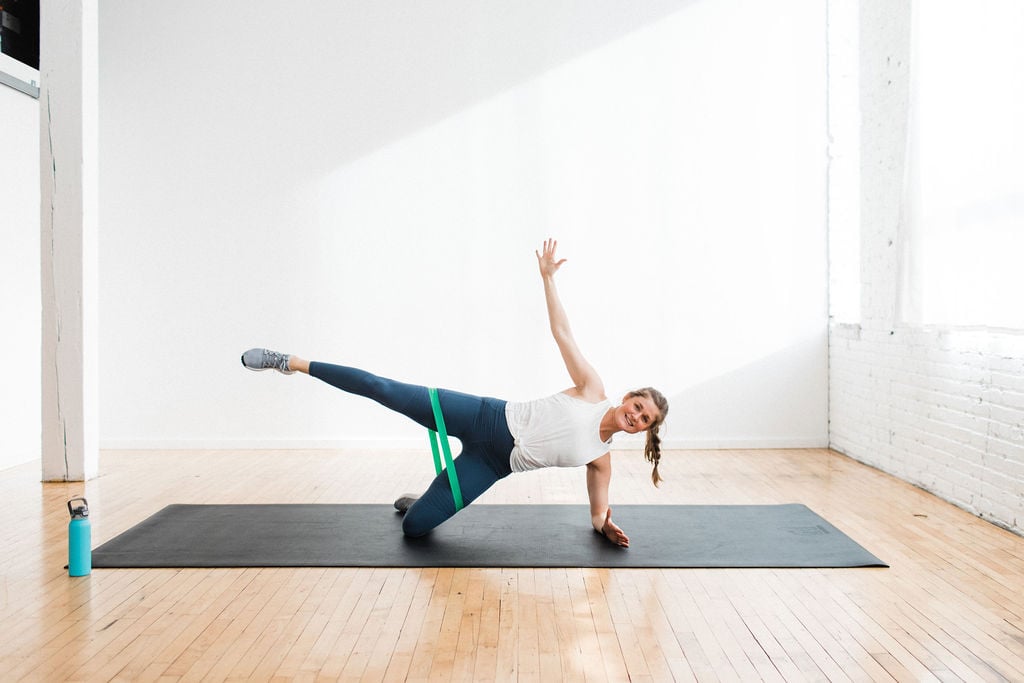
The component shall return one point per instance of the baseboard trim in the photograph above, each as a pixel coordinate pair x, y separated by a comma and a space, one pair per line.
625, 443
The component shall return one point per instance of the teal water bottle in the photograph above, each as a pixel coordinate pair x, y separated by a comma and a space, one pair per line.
79, 539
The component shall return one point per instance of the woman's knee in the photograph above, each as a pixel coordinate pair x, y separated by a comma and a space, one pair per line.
415, 525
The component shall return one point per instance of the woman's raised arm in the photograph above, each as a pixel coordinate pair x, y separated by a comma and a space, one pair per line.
584, 377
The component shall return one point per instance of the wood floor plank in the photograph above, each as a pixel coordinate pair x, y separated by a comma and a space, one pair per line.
609, 646
812, 635
757, 662
588, 644
419, 589
485, 659
508, 626
343, 654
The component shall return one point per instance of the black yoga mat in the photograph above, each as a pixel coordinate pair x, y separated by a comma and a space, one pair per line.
482, 536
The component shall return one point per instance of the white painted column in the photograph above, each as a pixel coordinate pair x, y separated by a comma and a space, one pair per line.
68, 103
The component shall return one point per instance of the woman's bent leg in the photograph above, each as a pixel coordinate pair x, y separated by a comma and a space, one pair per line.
476, 474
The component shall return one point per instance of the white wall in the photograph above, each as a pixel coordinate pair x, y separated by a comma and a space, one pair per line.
965, 165
19, 279
940, 407
365, 183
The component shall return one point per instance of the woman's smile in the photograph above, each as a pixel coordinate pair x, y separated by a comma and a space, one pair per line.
637, 413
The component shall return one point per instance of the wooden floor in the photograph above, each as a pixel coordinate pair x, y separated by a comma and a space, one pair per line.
951, 607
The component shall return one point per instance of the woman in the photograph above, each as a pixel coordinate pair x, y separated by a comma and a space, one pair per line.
569, 429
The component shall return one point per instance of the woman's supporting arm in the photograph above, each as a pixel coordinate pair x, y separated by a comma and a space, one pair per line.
599, 475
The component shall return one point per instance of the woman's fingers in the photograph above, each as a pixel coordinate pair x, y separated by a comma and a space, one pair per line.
617, 535
619, 538
546, 259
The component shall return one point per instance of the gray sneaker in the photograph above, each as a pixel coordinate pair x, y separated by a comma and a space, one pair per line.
405, 502
265, 359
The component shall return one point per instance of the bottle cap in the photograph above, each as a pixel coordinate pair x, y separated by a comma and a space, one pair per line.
78, 511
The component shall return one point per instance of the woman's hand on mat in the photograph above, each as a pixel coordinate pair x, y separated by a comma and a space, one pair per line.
612, 532
547, 261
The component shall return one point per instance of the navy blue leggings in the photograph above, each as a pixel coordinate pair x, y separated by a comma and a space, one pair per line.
478, 422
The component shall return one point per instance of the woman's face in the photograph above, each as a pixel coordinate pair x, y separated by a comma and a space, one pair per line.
636, 414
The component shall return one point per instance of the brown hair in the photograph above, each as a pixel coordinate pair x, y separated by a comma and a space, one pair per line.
652, 451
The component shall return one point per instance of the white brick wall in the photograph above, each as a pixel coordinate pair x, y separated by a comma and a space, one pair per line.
943, 410
940, 408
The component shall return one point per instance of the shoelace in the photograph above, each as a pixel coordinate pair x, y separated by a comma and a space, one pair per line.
273, 359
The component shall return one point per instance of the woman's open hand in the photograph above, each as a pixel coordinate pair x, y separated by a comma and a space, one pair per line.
547, 261
612, 532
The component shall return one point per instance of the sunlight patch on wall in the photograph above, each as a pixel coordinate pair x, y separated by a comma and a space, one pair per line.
681, 168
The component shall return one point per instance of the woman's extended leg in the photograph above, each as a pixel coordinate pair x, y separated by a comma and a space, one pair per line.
461, 411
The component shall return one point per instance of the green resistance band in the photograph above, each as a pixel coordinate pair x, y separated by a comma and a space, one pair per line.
435, 403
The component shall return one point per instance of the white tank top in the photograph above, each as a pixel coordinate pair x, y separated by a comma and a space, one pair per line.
557, 431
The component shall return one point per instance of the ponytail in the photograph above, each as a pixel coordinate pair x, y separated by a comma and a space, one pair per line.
652, 450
